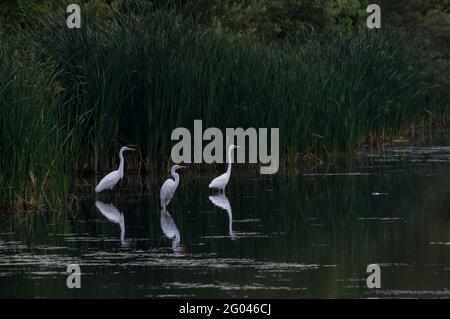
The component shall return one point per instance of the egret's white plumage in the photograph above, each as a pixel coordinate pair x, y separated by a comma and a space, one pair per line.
169, 187
110, 180
221, 181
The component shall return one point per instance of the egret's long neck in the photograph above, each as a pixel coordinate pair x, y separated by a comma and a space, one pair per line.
230, 222
175, 176
122, 231
121, 165
229, 160
176, 239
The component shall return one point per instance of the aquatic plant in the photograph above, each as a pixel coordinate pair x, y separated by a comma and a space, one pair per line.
132, 78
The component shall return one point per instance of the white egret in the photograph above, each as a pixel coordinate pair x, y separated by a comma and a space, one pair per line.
113, 215
110, 180
222, 201
221, 181
169, 187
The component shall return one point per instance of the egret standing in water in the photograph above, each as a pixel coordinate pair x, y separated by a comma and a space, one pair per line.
170, 186
110, 180
220, 182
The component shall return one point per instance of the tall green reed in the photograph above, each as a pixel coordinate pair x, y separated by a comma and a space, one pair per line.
133, 78
140, 76
36, 166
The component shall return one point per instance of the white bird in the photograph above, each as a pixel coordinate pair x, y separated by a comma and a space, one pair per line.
221, 181
169, 228
110, 180
169, 187
113, 215
222, 201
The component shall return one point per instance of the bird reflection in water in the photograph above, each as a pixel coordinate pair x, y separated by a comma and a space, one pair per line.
171, 231
115, 216
222, 201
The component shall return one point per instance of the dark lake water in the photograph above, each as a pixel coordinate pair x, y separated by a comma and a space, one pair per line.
291, 235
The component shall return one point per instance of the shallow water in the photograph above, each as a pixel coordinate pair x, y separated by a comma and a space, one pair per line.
290, 235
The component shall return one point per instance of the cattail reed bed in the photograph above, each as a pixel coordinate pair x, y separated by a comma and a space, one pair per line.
70, 98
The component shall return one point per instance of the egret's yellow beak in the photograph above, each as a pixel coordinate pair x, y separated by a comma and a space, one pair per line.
179, 167
131, 148
238, 146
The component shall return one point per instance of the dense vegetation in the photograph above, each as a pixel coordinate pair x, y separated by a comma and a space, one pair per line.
136, 70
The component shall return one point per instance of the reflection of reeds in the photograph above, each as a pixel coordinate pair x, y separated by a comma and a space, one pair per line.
133, 79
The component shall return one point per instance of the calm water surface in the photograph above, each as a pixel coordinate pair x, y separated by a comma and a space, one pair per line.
290, 235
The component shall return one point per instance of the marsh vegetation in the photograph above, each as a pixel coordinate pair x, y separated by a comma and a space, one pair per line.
70, 98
